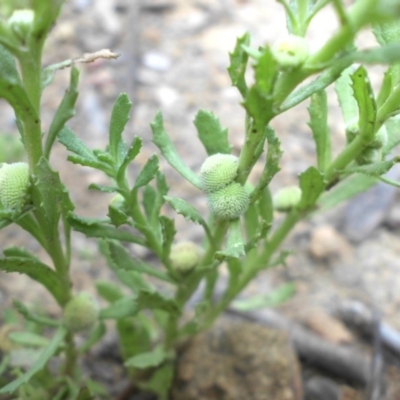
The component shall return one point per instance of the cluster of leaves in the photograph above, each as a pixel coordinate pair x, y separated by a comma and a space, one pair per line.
149, 319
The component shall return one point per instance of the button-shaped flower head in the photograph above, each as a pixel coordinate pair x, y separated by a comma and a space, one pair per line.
185, 256
229, 202
14, 185
287, 198
81, 312
291, 51
218, 171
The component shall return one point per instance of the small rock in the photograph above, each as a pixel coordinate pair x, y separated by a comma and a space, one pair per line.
327, 244
318, 388
238, 360
156, 61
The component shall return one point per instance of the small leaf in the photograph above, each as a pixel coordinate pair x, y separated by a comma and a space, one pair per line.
364, 96
238, 64
94, 336
318, 111
147, 360
345, 94
312, 185
161, 380
147, 173
39, 364
69, 139
65, 111
235, 244
374, 170
163, 142
122, 308
28, 339
213, 136
131, 154
37, 271
33, 317
168, 232
266, 71
109, 291
155, 300
119, 118
92, 227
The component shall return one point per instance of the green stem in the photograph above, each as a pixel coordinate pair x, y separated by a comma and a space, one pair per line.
70, 356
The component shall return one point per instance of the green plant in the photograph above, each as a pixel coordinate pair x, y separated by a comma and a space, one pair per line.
240, 230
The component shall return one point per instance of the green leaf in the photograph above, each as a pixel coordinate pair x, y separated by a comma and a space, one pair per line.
272, 299
148, 359
161, 380
28, 339
266, 71
155, 300
36, 270
344, 190
119, 118
122, 308
364, 96
149, 203
123, 260
69, 139
131, 154
109, 291
318, 123
94, 336
91, 227
65, 111
187, 211
39, 364
345, 94
147, 173
164, 143
393, 132
375, 169
45, 16
33, 317
238, 64
168, 232
311, 185
234, 244
213, 136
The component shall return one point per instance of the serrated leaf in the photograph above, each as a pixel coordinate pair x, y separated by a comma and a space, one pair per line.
37, 271
234, 245
311, 185
45, 355
168, 232
259, 108
121, 308
147, 173
345, 94
123, 260
119, 118
164, 143
364, 96
266, 71
213, 136
318, 123
393, 133
148, 359
93, 228
238, 64
65, 111
149, 202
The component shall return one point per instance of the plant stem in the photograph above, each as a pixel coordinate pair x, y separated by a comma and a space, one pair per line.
70, 356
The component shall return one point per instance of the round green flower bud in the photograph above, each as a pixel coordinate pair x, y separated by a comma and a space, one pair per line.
81, 312
218, 171
185, 256
287, 198
14, 185
290, 52
229, 202
21, 22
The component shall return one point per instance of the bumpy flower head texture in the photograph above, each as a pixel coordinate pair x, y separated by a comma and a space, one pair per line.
218, 171
81, 312
185, 256
14, 185
230, 202
290, 52
287, 198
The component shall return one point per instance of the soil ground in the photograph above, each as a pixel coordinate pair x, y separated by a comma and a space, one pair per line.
174, 55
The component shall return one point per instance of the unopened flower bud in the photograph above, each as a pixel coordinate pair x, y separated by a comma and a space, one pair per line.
291, 51
185, 256
218, 171
287, 198
14, 185
81, 312
229, 202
